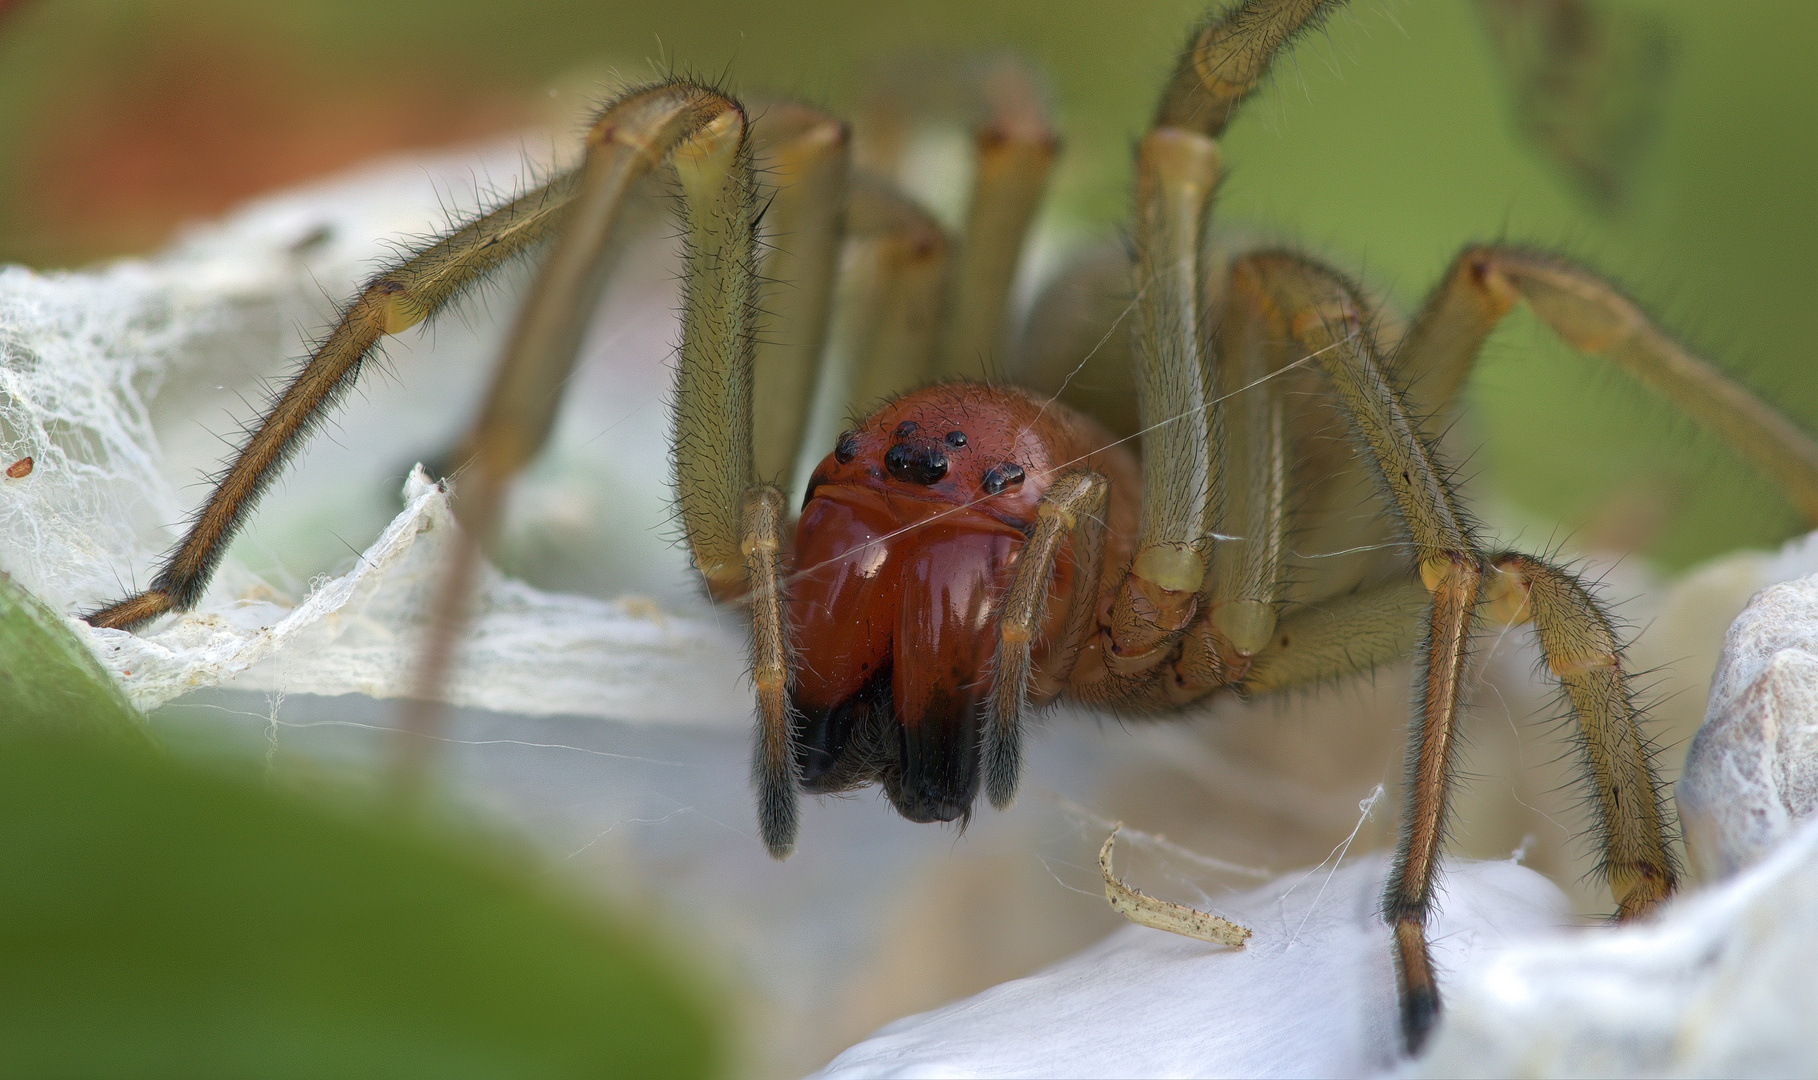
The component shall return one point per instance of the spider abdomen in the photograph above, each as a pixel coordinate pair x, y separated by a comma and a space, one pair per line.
907, 539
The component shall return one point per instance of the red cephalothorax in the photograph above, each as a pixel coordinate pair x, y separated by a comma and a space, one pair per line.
906, 541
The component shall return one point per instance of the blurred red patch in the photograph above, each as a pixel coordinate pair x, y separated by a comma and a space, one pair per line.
197, 117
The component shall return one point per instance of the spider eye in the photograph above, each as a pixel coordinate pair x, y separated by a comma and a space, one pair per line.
906, 429
956, 439
1007, 474
847, 448
916, 463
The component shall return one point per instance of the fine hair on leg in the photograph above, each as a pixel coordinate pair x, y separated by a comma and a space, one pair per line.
1074, 508
1584, 656
415, 287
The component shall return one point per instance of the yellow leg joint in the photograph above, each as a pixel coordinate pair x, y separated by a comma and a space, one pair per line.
1174, 567
723, 575
398, 310
1506, 597
705, 161
1246, 624
1436, 572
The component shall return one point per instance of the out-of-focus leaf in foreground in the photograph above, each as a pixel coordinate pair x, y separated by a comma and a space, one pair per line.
50, 684
157, 919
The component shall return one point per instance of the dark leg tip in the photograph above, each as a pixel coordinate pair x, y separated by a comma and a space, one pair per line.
1002, 775
1419, 1012
1001, 760
778, 831
779, 812
1417, 989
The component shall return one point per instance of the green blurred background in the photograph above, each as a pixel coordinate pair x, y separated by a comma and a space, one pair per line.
1384, 144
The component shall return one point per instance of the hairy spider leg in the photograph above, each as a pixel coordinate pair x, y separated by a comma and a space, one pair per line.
1583, 652
1592, 315
1179, 298
1177, 393
774, 771
1340, 636
1072, 510
1015, 145
704, 135
803, 160
400, 296
892, 280
1324, 317
1245, 578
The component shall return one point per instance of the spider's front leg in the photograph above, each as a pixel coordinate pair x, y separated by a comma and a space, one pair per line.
734, 525
397, 298
1199, 601
705, 135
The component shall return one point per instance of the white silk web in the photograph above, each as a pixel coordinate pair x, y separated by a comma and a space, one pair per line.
111, 379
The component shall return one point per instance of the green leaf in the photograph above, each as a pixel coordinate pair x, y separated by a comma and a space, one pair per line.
160, 920
50, 683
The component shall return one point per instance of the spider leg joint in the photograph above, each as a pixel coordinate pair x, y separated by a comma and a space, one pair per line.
1186, 163
1505, 596
1334, 320
398, 311
1246, 624
709, 156
1439, 570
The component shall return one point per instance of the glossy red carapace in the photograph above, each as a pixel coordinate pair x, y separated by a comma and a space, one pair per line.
908, 535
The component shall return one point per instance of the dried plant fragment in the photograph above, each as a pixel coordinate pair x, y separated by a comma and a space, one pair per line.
20, 469
1145, 910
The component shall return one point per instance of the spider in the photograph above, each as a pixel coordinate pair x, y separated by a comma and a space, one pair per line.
971, 551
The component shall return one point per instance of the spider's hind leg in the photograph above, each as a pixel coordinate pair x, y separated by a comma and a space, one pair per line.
1593, 316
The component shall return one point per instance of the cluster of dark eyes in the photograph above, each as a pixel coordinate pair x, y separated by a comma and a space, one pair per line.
926, 467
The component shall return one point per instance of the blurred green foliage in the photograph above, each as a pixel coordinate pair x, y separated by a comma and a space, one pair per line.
51, 685
1384, 144
158, 919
